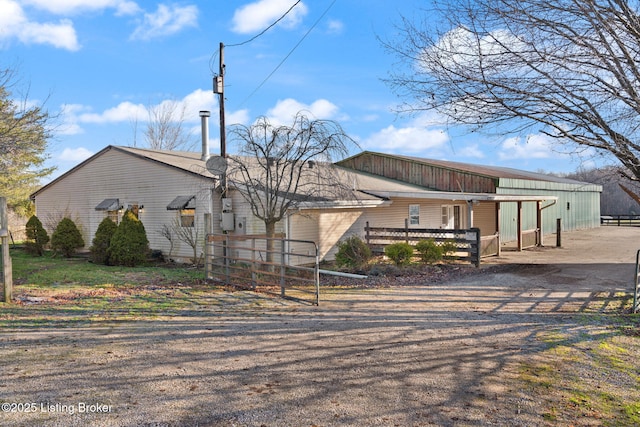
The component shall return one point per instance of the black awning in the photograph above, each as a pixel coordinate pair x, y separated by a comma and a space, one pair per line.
108, 205
182, 202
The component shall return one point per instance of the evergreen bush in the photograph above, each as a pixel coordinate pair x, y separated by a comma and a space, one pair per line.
353, 252
101, 241
129, 244
430, 252
66, 238
37, 236
449, 249
399, 253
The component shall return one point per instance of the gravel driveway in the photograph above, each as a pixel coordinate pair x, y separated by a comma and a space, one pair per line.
441, 354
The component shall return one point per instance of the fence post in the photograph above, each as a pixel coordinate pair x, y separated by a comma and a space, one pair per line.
406, 230
282, 269
477, 247
366, 233
558, 232
7, 275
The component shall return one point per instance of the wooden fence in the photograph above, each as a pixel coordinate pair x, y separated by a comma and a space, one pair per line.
619, 220
250, 261
6, 280
467, 242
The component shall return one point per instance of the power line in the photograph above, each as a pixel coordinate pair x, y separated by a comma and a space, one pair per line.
266, 29
288, 54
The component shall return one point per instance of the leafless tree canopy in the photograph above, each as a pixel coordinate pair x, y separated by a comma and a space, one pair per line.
165, 129
566, 68
279, 167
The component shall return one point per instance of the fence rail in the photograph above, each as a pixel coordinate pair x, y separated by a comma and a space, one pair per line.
271, 263
468, 242
619, 220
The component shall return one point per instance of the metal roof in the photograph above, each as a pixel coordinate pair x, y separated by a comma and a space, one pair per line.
108, 205
182, 202
483, 170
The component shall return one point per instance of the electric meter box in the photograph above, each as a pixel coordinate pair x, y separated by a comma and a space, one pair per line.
228, 221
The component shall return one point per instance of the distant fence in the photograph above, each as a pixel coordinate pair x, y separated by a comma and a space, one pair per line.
620, 220
287, 267
468, 242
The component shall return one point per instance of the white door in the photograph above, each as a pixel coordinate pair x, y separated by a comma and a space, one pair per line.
451, 217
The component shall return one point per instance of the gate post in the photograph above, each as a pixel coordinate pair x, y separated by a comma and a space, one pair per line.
6, 278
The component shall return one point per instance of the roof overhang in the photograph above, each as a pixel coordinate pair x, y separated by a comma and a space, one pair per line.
342, 204
109, 205
455, 196
182, 202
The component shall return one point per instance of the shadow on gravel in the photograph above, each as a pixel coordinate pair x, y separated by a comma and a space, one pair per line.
438, 354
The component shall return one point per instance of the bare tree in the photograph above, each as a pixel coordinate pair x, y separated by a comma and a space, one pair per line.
280, 167
189, 235
566, 68
166, 127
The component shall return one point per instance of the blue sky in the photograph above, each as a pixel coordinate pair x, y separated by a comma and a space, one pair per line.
101, 64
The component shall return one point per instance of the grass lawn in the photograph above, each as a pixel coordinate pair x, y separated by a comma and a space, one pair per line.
50, 291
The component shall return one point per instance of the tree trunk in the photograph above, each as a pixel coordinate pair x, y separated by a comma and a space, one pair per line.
270, 227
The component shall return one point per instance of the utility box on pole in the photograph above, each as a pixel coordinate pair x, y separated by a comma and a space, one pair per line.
6, 276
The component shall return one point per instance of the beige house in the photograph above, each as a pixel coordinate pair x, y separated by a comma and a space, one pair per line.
175, 191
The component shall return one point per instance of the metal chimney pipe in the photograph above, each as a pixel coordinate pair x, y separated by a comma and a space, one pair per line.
204, 118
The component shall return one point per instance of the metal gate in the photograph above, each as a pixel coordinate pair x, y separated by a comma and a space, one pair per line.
636, 287
287, 267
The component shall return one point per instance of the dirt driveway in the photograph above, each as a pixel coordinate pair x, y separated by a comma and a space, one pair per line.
440, 354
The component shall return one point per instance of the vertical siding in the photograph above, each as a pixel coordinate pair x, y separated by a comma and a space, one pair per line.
130, 179
583, 211
419, 173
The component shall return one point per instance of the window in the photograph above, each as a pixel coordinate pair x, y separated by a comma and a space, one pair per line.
186, 207
113, 216
135, 208
187, 217
414, 214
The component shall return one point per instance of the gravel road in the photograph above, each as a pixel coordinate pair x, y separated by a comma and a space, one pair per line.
437, 354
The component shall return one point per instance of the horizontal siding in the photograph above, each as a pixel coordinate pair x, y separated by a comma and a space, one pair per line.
484, 218
130, 179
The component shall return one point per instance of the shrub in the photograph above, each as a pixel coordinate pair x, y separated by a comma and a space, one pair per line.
129, 244
100, 244
353, 252
66, 238
399, 253
430, 252
37, 236
449, 248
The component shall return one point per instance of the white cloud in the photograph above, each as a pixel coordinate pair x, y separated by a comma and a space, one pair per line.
259, 15
285, 110
237, 117
335, 27
123, 112
534, 147
74, 115
70, 7
75, 154
166, 20
16, 25
471, 151
410, 139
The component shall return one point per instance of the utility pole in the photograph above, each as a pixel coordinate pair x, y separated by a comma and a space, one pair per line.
218, 88
223, 136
